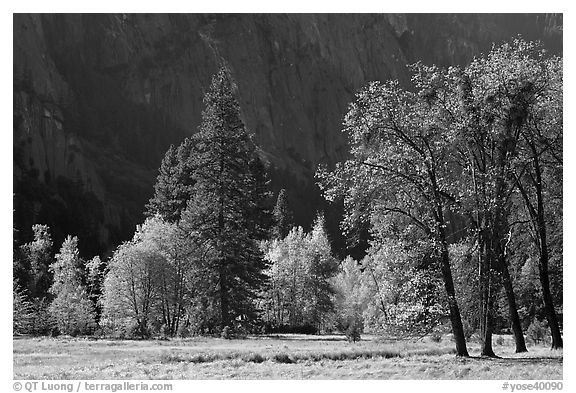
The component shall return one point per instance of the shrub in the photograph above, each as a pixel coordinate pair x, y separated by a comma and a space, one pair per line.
436, 337
171, 358
118, 332
54, 332
536, 331
226, 333
254, 358
42, 321
469, 330
353, 332
73, 314
306, 329
354, 326
241, 330
282, 358
183, 331
136, 330
163, 332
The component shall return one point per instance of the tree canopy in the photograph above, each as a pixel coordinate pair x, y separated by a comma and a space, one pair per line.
440, 157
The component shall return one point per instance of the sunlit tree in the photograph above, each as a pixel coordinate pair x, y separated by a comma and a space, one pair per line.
71, 309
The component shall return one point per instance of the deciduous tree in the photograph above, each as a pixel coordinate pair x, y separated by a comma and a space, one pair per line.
400, 166
71, 308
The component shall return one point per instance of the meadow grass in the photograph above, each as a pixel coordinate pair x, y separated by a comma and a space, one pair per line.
274, 357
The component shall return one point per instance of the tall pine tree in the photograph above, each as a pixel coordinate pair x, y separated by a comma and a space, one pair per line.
227, 209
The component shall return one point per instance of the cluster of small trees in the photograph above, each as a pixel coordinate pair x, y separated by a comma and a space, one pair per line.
299, 294
211, 257
472, 157
54, 295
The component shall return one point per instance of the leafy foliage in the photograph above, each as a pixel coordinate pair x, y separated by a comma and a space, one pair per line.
43, 322
457, 180
420, 307
397, 290
175, 272
299, 296
536, 331
349, 299
139, 280
38, 257
462, 145
22, 311
71, 309
400, 176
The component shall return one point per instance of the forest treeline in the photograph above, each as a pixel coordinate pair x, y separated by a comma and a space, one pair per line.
456, 181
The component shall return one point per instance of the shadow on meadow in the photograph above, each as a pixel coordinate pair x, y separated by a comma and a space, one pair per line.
517, 360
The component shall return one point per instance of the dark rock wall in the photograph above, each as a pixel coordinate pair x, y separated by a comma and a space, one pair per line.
99, 98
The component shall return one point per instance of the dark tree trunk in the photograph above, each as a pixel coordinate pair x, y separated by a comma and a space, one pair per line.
495, 260
486, 324
486, 331
500, 254
539, 226
543, 267
487, 302
513, 309
455, 318
549, 303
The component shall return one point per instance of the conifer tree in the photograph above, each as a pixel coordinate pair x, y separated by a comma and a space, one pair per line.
174, 183
37, 255
22, 310
261, 197
225, 206
163, 202
95, 269
283, 220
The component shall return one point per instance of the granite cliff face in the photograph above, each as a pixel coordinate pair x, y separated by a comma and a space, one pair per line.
99, 98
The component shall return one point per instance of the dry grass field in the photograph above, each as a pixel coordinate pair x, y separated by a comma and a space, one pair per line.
278, 357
